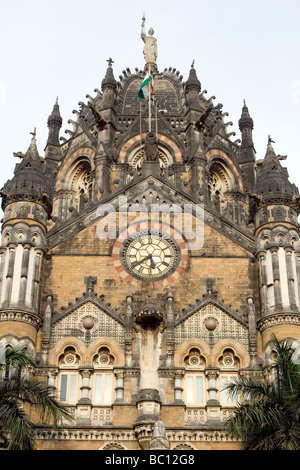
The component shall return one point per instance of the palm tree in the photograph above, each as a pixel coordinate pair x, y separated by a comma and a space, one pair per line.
17, 390
268, 418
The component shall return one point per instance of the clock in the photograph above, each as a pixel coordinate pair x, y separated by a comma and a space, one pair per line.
150, 256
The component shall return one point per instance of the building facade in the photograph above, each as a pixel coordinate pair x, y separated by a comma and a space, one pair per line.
147, 260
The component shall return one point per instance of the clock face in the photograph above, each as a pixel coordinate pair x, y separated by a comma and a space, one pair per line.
150, 256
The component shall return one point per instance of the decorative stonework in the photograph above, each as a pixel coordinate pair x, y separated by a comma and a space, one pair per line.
104, 325
279, 319
226, 327
19, 316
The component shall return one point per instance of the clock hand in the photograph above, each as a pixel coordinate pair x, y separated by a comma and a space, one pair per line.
141, 261
152, 264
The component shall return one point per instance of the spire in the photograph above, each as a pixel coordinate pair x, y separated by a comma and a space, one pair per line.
246, 127
32, 152
273, 180
29, 181
193, 83
246, 121
270, 150
54, 124
109, 81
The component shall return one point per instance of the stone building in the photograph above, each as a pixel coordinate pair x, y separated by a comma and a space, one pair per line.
147, 260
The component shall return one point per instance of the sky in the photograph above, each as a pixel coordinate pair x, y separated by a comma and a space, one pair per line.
59, 48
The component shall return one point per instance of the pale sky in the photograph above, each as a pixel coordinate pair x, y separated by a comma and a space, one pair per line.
242, 50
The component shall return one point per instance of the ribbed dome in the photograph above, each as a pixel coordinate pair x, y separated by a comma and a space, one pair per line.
273, 182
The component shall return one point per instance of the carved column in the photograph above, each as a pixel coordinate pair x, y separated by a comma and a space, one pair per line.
276, 278
178, 388
119, 385
52, 381
290, 277
263, 282
213, 407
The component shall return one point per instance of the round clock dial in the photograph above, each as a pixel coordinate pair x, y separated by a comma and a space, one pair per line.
150, 256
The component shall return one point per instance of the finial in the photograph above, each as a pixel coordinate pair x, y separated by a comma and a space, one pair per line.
193, 63
33, 133
110, 62
270, 140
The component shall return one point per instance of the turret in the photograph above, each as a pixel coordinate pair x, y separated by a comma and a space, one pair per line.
26, 208
247, 150
192, 88
277, 247
109, 86
54, 125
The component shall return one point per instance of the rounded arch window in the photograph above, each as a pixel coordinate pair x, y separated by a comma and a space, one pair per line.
221, 182
228, 359
69, 357
103, 358
194, 358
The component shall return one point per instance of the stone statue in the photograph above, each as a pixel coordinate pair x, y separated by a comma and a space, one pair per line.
151, 147
150, 48
159, 439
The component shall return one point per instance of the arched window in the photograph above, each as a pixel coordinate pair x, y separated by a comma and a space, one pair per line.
194, 381
103, 380
68, 377
229, 365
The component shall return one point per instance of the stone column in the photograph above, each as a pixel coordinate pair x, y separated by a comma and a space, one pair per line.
119, 385
52, 381
178, 388
84, 405
10, 273
36, 276
213, 407
276, 278
85, 387
263, 282
24, 274
290, 277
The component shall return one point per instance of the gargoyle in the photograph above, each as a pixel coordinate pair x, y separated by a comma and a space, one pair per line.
200, 123
101, 124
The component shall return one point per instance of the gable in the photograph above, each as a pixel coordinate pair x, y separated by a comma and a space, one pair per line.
226, 327
71, 325
146, 193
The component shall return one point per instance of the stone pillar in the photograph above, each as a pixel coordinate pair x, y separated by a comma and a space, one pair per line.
170, 330
9, 274
290, 277
213, 407
178, 388
276, 278
119, 385
52, 381
24, 274
85, 387
84, 406
263, 282
252, 331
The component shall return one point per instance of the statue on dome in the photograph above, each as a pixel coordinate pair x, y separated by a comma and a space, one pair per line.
150, 48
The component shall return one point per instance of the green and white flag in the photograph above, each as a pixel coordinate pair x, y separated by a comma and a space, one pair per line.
146, 87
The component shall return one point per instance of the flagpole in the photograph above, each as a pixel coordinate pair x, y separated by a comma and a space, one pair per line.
150, 101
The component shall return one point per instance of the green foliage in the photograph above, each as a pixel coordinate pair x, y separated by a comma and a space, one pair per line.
268, 416
16, 429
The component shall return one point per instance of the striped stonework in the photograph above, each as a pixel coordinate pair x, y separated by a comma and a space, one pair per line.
219, 153
84, 151
125, 150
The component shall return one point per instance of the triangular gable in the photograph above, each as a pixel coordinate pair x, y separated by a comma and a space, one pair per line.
107, 322
140, 191
228, 325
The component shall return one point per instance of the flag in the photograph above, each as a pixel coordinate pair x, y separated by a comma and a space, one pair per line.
146, 87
